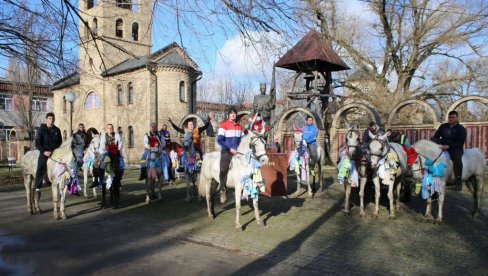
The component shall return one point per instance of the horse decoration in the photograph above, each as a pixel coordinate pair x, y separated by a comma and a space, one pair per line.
300, 163
252, 148
189, 163
434, 167
58, 165
389, 161
157, 163
92, 154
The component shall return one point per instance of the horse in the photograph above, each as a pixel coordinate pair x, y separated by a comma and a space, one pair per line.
156, 164
252, 145
113, 168
57, 165
91, 155
389, 160
301, 161
473, 174
355, 152
189, 164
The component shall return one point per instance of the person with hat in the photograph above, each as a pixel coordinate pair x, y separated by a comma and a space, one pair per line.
229, 138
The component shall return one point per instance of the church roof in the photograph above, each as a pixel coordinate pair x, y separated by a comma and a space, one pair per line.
312, 53
167, 56
66, 81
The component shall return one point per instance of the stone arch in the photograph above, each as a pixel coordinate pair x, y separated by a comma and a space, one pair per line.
434, 112
457, 103
334, 140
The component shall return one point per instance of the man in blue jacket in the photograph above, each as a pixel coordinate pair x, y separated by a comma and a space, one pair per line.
452, 136
229, 138
310, 133
48, 138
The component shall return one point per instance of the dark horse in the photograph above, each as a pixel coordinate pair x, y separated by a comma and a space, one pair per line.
111, 171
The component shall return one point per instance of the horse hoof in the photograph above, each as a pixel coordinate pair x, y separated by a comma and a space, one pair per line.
346, 211
392, 216
63, 217
187, 199
262, 224
148, 199
438, 221
239, 227
428, 217
211, 217
375, 215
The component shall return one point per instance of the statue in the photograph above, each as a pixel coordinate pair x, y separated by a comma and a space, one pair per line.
264, 104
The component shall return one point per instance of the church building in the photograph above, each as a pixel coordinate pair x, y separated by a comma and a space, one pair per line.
119, 80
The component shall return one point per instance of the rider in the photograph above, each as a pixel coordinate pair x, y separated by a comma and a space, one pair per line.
48, 138
402, 139
310, 133
452, 136
371, 131
166, 134
111, 145
229, 138
196, 132
80, 137
152, 138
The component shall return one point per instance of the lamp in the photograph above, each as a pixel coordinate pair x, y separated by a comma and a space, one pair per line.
70, 97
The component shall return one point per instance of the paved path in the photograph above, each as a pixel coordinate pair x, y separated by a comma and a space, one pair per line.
303, 236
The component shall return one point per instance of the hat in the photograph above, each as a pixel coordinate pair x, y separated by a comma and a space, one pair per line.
232, 109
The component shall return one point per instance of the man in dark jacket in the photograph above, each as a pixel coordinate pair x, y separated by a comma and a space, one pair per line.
80, 137
48, 138
452, 136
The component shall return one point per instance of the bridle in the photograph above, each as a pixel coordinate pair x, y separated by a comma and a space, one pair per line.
384, 148
348, 135
252, 147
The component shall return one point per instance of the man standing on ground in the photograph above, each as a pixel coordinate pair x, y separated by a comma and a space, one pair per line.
452, 136
229, 138
310, 133
48, 138
80, 137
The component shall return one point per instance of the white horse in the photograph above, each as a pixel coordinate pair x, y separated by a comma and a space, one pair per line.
91, 155
473, 173
57, 164
358, 154
395, 166
189, 163
239, 167
301, 155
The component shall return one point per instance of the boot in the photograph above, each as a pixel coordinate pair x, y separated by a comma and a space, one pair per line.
458, 186
143, 173
94, 184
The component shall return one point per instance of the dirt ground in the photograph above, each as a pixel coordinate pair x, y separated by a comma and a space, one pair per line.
304, 236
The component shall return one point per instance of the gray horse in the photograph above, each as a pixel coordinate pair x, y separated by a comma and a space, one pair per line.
57, 164
473, 173
189, 163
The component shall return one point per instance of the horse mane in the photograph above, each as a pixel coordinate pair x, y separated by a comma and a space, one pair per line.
427, 148
63, 149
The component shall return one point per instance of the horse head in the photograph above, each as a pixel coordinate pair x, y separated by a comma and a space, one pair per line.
188, 142
352, 141
257, 145
377, 150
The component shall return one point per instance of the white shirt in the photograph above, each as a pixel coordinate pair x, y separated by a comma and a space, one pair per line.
103, 142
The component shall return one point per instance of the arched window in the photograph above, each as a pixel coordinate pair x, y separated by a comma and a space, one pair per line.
64, 105
131, 141
89, 4
124, 4
182, 92
135, 31
95, 26
120, 95
92, 101
130, 98
119, 131
119, 26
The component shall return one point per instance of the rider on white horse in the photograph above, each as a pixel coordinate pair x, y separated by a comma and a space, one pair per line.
372, 131
310, 133
152, 138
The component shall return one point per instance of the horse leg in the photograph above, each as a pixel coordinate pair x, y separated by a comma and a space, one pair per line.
55, 191
63, 190
29, 192
255, 204
362, 185
397, 198
187, 179
85, 181
238, 206
377, 193
194, 180
477, 195
209, 196
428, 210
299, 187
391, 197
440, 216
347, 190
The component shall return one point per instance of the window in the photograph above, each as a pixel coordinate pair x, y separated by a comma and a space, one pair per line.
120, 95
135, 31
65, 105
89, 4
6, 102
182, 92
124, 4
119, 25
95, 26
92, 101
39, 104
130, 88
131, 137
119, 131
